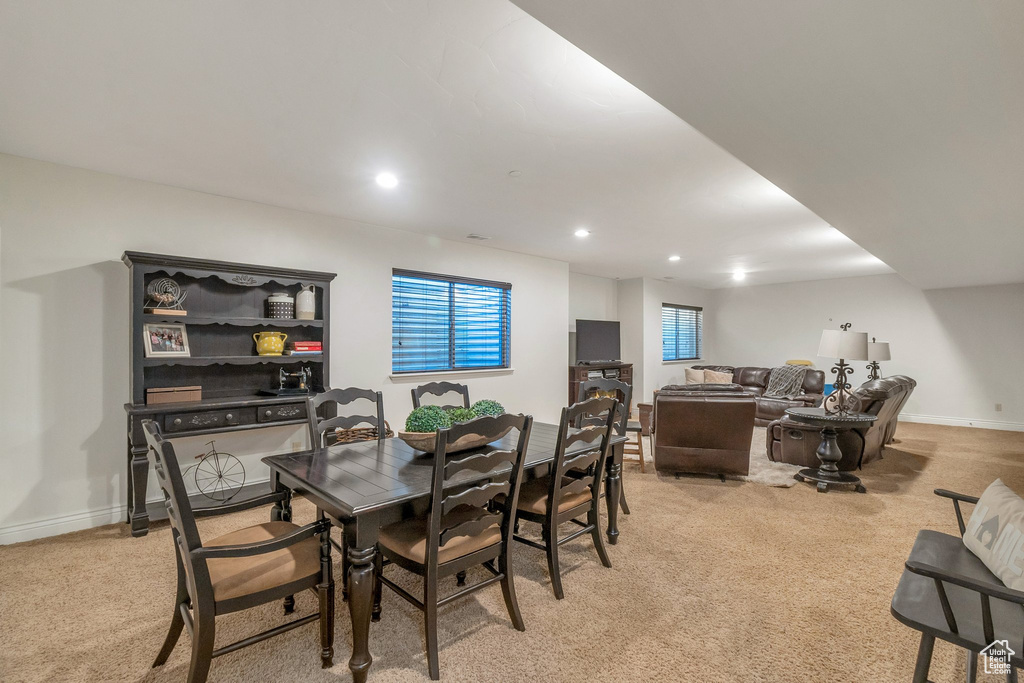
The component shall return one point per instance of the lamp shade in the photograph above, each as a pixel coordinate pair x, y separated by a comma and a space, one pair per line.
843, 344
878, 351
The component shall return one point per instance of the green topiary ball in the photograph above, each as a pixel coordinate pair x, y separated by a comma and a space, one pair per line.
461, 415
427, 419
488, 407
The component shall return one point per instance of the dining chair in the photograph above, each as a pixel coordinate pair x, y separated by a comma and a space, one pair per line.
238, 570
623, 393
440, 389
573, 486
343, 427
466, 525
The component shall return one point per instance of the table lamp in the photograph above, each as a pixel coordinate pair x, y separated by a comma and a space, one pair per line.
876, 351
844, 345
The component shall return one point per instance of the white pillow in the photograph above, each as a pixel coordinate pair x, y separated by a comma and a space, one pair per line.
694, 376
995, 533
712, 377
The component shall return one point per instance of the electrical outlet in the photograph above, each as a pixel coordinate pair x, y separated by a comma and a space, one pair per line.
296, 446
999, 407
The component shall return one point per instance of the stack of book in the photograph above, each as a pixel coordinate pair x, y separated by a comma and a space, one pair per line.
304, 348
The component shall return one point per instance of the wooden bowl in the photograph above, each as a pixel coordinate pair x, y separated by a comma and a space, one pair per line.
424, 441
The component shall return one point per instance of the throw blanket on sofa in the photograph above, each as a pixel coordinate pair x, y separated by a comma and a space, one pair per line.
787, 380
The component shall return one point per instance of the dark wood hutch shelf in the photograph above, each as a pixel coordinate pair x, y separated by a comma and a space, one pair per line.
226, 304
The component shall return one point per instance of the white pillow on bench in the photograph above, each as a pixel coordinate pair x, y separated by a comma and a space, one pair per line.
995, 533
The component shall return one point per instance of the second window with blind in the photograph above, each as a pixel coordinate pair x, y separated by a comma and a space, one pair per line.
446, 323
681, 332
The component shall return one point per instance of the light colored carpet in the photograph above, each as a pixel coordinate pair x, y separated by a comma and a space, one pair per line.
712, 581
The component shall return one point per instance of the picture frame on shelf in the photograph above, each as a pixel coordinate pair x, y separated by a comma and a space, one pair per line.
165, 340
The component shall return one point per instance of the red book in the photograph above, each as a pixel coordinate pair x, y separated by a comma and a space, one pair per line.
306, 346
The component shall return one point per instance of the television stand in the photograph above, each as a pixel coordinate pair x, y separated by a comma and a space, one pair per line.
585, 370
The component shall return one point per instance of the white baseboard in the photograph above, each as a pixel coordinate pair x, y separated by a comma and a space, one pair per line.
65, 524
29, 531
964, 422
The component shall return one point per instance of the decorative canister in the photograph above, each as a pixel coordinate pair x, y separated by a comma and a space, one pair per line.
281, 305
269, 343
305, 303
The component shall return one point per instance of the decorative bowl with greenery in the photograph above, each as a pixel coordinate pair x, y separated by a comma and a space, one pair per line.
422, 424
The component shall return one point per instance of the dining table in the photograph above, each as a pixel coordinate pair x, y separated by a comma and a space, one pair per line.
364, 486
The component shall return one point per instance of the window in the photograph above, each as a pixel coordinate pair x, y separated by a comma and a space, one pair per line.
681, 332
439, 322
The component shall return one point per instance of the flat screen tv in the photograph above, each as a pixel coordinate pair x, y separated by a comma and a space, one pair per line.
597, 340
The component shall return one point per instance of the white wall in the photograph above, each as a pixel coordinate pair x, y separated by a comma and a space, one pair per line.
64, 304
964, 346
658, 373
590, 298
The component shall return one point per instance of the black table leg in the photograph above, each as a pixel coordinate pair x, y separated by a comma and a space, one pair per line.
828, 473
613, 487
138, 478
361, 539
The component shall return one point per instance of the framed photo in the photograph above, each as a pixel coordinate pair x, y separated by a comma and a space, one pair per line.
165, 340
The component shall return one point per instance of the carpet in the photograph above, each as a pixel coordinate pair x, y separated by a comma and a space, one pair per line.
711, 581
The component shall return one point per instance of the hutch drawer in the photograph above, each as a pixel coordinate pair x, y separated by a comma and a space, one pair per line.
208, 419
294, 411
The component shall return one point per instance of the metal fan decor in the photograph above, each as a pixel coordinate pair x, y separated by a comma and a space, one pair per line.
164, 296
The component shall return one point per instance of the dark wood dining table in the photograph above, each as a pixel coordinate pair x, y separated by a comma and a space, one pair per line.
364, 486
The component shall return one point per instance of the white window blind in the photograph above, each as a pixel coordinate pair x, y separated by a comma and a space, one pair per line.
681, 332
440, 322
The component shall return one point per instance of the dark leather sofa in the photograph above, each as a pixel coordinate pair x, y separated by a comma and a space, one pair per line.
754, 381
704, 433
796, 443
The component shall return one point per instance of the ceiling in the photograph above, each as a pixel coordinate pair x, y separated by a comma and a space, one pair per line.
301, 105
900, 123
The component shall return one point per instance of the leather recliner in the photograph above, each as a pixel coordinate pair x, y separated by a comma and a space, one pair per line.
797, 443
754, 381
703, 433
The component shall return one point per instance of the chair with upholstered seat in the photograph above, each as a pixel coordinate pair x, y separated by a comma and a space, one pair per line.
325, 430
623, 393
239, 570
466, 524
440, 389
573, 486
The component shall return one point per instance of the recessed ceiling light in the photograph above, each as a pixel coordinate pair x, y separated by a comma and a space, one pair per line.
582, 232
674, 257
738, 275
476, 236
388, 180
515, 173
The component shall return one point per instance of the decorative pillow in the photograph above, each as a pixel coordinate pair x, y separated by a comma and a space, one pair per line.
694, 376
996, 533
712, 377
787, 380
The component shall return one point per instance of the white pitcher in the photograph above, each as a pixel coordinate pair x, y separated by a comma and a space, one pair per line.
305, 303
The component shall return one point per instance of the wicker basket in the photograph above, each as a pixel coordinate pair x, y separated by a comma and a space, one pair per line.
357, 434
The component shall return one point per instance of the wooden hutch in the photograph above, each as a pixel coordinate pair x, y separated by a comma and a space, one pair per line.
226, 304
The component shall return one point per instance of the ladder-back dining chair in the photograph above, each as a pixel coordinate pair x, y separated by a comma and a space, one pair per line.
465, 526
573, 486
238, 570
440, 389
328, 430
623, 393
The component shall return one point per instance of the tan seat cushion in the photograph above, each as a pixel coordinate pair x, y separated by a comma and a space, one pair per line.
533, 496
233, 577
408, 538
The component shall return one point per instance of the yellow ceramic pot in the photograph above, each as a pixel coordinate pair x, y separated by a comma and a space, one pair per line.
269, 343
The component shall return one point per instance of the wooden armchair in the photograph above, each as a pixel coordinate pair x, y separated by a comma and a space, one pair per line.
440, 389
946, 592
239, 570
573, 487
469, 523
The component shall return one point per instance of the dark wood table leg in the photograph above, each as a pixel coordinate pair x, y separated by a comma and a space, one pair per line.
828, 474
282, 510
138, 478
613, 487
361, 540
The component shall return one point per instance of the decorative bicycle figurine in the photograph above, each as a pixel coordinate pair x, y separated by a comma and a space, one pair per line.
218, 475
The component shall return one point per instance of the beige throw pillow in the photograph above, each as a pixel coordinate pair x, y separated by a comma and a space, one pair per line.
996, 533
712, 377
694, 376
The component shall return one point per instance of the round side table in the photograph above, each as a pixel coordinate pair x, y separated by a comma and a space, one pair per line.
828, 452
